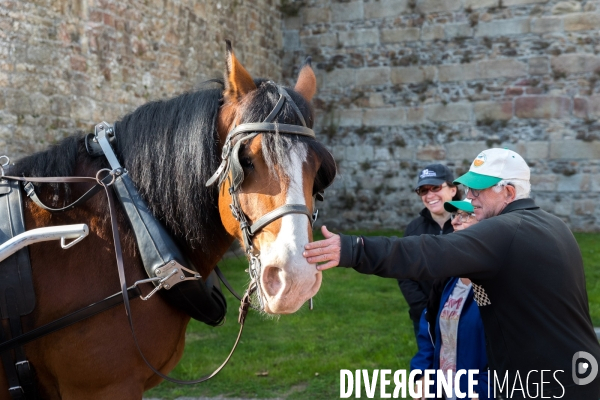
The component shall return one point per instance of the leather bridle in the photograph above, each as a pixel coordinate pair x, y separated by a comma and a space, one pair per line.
232, 171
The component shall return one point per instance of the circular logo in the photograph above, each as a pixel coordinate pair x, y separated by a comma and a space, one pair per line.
479, 160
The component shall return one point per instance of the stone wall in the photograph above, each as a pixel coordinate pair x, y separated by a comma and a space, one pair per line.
405, 83
68, 64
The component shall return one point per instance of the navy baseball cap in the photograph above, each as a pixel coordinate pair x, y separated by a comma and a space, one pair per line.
434, 174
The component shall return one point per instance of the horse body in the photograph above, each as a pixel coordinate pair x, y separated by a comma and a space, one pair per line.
170, 149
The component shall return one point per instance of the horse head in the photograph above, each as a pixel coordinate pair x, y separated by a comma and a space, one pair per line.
272, 172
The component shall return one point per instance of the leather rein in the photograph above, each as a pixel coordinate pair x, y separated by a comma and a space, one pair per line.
230, 169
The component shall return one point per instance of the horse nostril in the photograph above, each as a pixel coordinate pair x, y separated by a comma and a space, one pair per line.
272, 280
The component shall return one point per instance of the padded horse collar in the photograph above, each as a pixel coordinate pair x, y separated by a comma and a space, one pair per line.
231, 169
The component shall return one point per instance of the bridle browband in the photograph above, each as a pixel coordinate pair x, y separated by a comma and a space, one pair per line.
230, 169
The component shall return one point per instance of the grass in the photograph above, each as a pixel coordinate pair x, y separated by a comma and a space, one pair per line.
358, 322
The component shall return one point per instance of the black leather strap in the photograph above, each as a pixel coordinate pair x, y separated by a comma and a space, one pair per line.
69, 319
30, 191
25, 373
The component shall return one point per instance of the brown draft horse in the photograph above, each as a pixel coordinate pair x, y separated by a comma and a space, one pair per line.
170, 149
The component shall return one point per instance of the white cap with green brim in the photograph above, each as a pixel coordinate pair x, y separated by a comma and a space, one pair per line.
464, 205
493, 165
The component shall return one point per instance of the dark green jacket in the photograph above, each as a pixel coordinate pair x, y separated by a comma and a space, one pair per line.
528, 280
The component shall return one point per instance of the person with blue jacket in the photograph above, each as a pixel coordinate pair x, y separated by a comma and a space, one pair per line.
451, 335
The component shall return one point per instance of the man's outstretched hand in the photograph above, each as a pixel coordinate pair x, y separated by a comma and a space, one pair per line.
325, 251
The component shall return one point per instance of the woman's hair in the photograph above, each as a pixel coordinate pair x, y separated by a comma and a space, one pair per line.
458, 195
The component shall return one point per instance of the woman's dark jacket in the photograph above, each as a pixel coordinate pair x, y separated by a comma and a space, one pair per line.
415, 292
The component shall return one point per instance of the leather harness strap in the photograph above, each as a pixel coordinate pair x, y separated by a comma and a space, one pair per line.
123, 296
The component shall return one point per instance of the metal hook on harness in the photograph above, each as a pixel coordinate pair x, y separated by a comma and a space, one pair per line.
4, 164
112, 172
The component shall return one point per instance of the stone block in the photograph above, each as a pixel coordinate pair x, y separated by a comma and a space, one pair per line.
316, 15
544, 182
431, 153
564, 207
40, 55
82, 109
504, 27
403, 153
457, 30
372, 76
385, 8
382, 154
475, 4
349, 117
291, 40
573, 183
593, 106
376, 100
584, 207
402, 75
431, 6
458, 72
359, 37
493, 110
327, 40
384, 116
510, 3
351, 11
547, 24
539, 65
537, 150
339, 78
399, 35
574, 150
18, 102
432, 32
502, 68
415, 115
580, 107
595, 183
40, 104
566, 7
460, 151
60, 106
542, 107
359, 153
449, 112
575, 63
582, 22
294, 22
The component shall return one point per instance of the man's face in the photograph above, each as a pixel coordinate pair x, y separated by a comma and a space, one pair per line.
489, 203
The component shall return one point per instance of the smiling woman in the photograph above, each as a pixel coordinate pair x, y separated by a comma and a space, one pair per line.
435, 187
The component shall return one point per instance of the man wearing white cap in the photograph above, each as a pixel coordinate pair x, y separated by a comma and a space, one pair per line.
527, 275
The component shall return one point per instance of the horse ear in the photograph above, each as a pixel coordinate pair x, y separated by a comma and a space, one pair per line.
307, 81
238, 81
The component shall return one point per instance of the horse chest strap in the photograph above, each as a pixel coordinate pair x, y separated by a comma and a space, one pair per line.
15, 271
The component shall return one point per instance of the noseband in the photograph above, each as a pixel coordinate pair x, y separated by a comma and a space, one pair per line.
232, 170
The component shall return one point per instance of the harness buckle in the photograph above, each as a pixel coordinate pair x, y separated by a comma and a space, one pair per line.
234, 212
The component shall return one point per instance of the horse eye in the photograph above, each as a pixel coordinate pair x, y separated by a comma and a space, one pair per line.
246, 163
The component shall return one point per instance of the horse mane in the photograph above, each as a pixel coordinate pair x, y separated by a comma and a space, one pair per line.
170, 148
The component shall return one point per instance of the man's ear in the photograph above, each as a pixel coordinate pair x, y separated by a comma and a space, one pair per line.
511, 193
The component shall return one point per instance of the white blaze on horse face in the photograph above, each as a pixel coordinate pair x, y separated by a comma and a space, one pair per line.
288, 280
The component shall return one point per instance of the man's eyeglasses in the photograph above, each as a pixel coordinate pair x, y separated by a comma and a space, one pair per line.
475, 192
423, 190
462, 217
